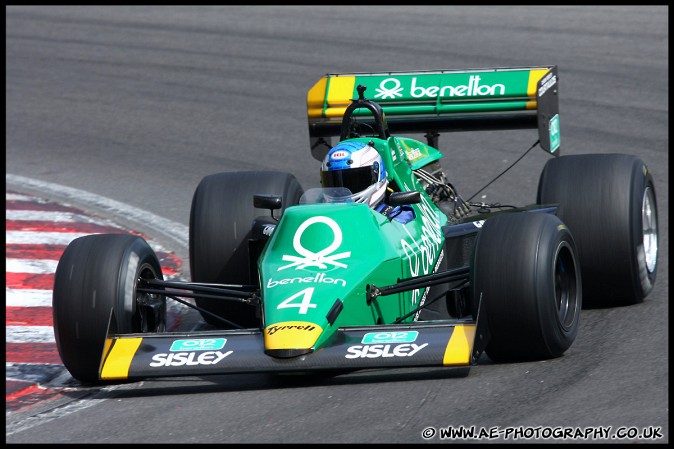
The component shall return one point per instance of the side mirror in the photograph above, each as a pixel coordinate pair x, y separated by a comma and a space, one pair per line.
271, 202
400, 198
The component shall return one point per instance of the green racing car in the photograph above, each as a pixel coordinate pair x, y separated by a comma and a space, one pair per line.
289, 280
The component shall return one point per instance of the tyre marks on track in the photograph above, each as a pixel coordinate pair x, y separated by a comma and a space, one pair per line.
37, 233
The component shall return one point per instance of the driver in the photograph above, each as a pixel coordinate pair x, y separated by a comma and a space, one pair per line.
360, 168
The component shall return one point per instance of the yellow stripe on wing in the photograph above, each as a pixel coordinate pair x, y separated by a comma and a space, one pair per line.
340, 93
330, 96
316, 99
460, 345
118, 361
534, 77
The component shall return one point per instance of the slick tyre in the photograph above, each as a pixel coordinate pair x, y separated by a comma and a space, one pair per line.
95, 290
221, 218
525, 271
609, 203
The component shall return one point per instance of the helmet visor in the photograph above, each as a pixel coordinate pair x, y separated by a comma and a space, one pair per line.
354, 179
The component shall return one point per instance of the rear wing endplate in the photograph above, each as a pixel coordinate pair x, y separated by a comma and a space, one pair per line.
442, 101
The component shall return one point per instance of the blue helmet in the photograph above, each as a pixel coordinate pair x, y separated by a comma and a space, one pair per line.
359, 168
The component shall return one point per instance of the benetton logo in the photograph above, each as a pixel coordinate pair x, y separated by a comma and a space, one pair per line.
391, 88
319, 259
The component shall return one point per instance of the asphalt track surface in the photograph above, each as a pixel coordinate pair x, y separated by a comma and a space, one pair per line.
137, 104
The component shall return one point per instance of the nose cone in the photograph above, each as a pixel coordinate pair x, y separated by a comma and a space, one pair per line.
291, 338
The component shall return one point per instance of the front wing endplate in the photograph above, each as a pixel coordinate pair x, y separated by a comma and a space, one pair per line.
133, 356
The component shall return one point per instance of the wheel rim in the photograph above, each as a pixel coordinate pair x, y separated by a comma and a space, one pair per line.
649, 222
150, 307
566, 286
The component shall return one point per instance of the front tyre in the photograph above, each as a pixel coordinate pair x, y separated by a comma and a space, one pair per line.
609, 203
221, 218
525, 271
94, 289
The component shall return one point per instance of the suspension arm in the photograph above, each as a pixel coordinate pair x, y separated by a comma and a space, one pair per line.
157, 287
403, 285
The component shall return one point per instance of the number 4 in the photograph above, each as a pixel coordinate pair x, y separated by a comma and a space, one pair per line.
304, 305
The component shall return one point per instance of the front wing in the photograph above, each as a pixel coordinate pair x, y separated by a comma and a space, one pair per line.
439, 343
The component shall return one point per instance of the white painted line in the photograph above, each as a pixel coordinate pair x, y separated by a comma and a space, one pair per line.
59, 412
20, 197
55, 216
36, 266
41, 238
16, 297
29, 334
161, 225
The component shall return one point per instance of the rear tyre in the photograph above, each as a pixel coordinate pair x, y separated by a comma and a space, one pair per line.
525, 271
95, 286
609, 203
221, 218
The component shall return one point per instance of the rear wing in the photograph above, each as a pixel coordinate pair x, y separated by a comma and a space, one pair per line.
441, 101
